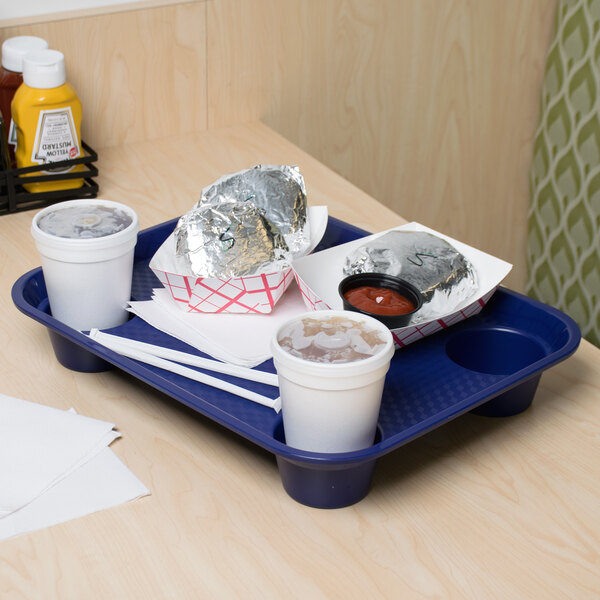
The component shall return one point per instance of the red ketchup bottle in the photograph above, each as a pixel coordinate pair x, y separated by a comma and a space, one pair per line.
11, 77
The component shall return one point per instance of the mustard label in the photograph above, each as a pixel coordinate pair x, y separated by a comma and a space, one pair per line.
55, 138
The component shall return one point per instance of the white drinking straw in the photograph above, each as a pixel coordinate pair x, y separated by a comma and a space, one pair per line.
174, 367
186, 359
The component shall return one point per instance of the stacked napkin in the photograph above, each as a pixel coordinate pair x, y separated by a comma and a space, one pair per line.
238, 339
55, 466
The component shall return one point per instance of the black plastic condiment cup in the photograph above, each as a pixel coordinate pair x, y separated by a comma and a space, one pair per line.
382, 280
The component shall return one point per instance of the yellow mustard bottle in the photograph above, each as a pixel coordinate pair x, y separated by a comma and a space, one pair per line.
47, 115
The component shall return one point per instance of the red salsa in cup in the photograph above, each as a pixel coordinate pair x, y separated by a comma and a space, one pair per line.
379, 300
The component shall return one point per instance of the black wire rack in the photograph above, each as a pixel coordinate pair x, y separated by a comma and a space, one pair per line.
14, 197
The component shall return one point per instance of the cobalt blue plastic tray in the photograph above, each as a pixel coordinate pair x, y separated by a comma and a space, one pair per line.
490, 364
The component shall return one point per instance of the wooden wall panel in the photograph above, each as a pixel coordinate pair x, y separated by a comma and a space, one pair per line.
429, 106
41, 11
139, 74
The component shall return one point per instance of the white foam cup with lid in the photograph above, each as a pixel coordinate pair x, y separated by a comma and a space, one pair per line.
86, 247
331, 367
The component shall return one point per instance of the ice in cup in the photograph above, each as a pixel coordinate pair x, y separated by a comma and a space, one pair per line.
331, 367
86, 247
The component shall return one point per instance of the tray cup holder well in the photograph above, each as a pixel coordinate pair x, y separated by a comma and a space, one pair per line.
69, 354
499, 351
323, 484
74, 357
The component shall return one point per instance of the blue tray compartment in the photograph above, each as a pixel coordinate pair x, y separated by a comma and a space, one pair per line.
489, 364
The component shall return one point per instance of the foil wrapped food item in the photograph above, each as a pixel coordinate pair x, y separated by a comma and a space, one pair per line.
229, 239
278, 190
442, 274
252, 221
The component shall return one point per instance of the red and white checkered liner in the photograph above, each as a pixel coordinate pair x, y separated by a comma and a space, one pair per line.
241, 295
253, 294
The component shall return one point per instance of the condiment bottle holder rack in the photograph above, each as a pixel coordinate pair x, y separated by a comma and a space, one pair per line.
14, 198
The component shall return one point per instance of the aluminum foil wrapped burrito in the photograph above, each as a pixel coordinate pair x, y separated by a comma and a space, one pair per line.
248, 222
229, 239
444, 276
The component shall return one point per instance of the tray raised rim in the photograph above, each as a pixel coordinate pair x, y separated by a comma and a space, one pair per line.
150, 376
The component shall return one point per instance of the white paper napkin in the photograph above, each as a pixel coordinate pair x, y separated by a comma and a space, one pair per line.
239, 339
102, 482
56, 465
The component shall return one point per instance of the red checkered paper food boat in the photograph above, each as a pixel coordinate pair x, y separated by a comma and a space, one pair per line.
250, 294
319, 274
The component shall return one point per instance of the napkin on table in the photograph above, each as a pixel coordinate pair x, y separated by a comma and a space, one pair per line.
55, 465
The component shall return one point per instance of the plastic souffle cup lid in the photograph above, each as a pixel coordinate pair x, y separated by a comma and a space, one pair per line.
350, 348
85, 230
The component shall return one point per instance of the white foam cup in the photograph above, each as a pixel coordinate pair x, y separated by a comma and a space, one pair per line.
331, 407
88, 275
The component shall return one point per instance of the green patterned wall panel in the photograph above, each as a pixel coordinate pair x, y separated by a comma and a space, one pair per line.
563, 248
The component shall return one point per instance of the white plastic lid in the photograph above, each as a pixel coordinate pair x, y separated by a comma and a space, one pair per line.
296, 366
85, 220
118, 231
44, 69
15, 48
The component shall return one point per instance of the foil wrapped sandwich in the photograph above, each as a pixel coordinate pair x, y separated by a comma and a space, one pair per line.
249, 222
444, 276
232, 252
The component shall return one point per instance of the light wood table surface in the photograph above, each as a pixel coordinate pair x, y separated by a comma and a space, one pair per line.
480, 508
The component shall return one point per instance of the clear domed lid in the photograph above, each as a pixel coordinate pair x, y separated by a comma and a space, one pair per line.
331, 340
